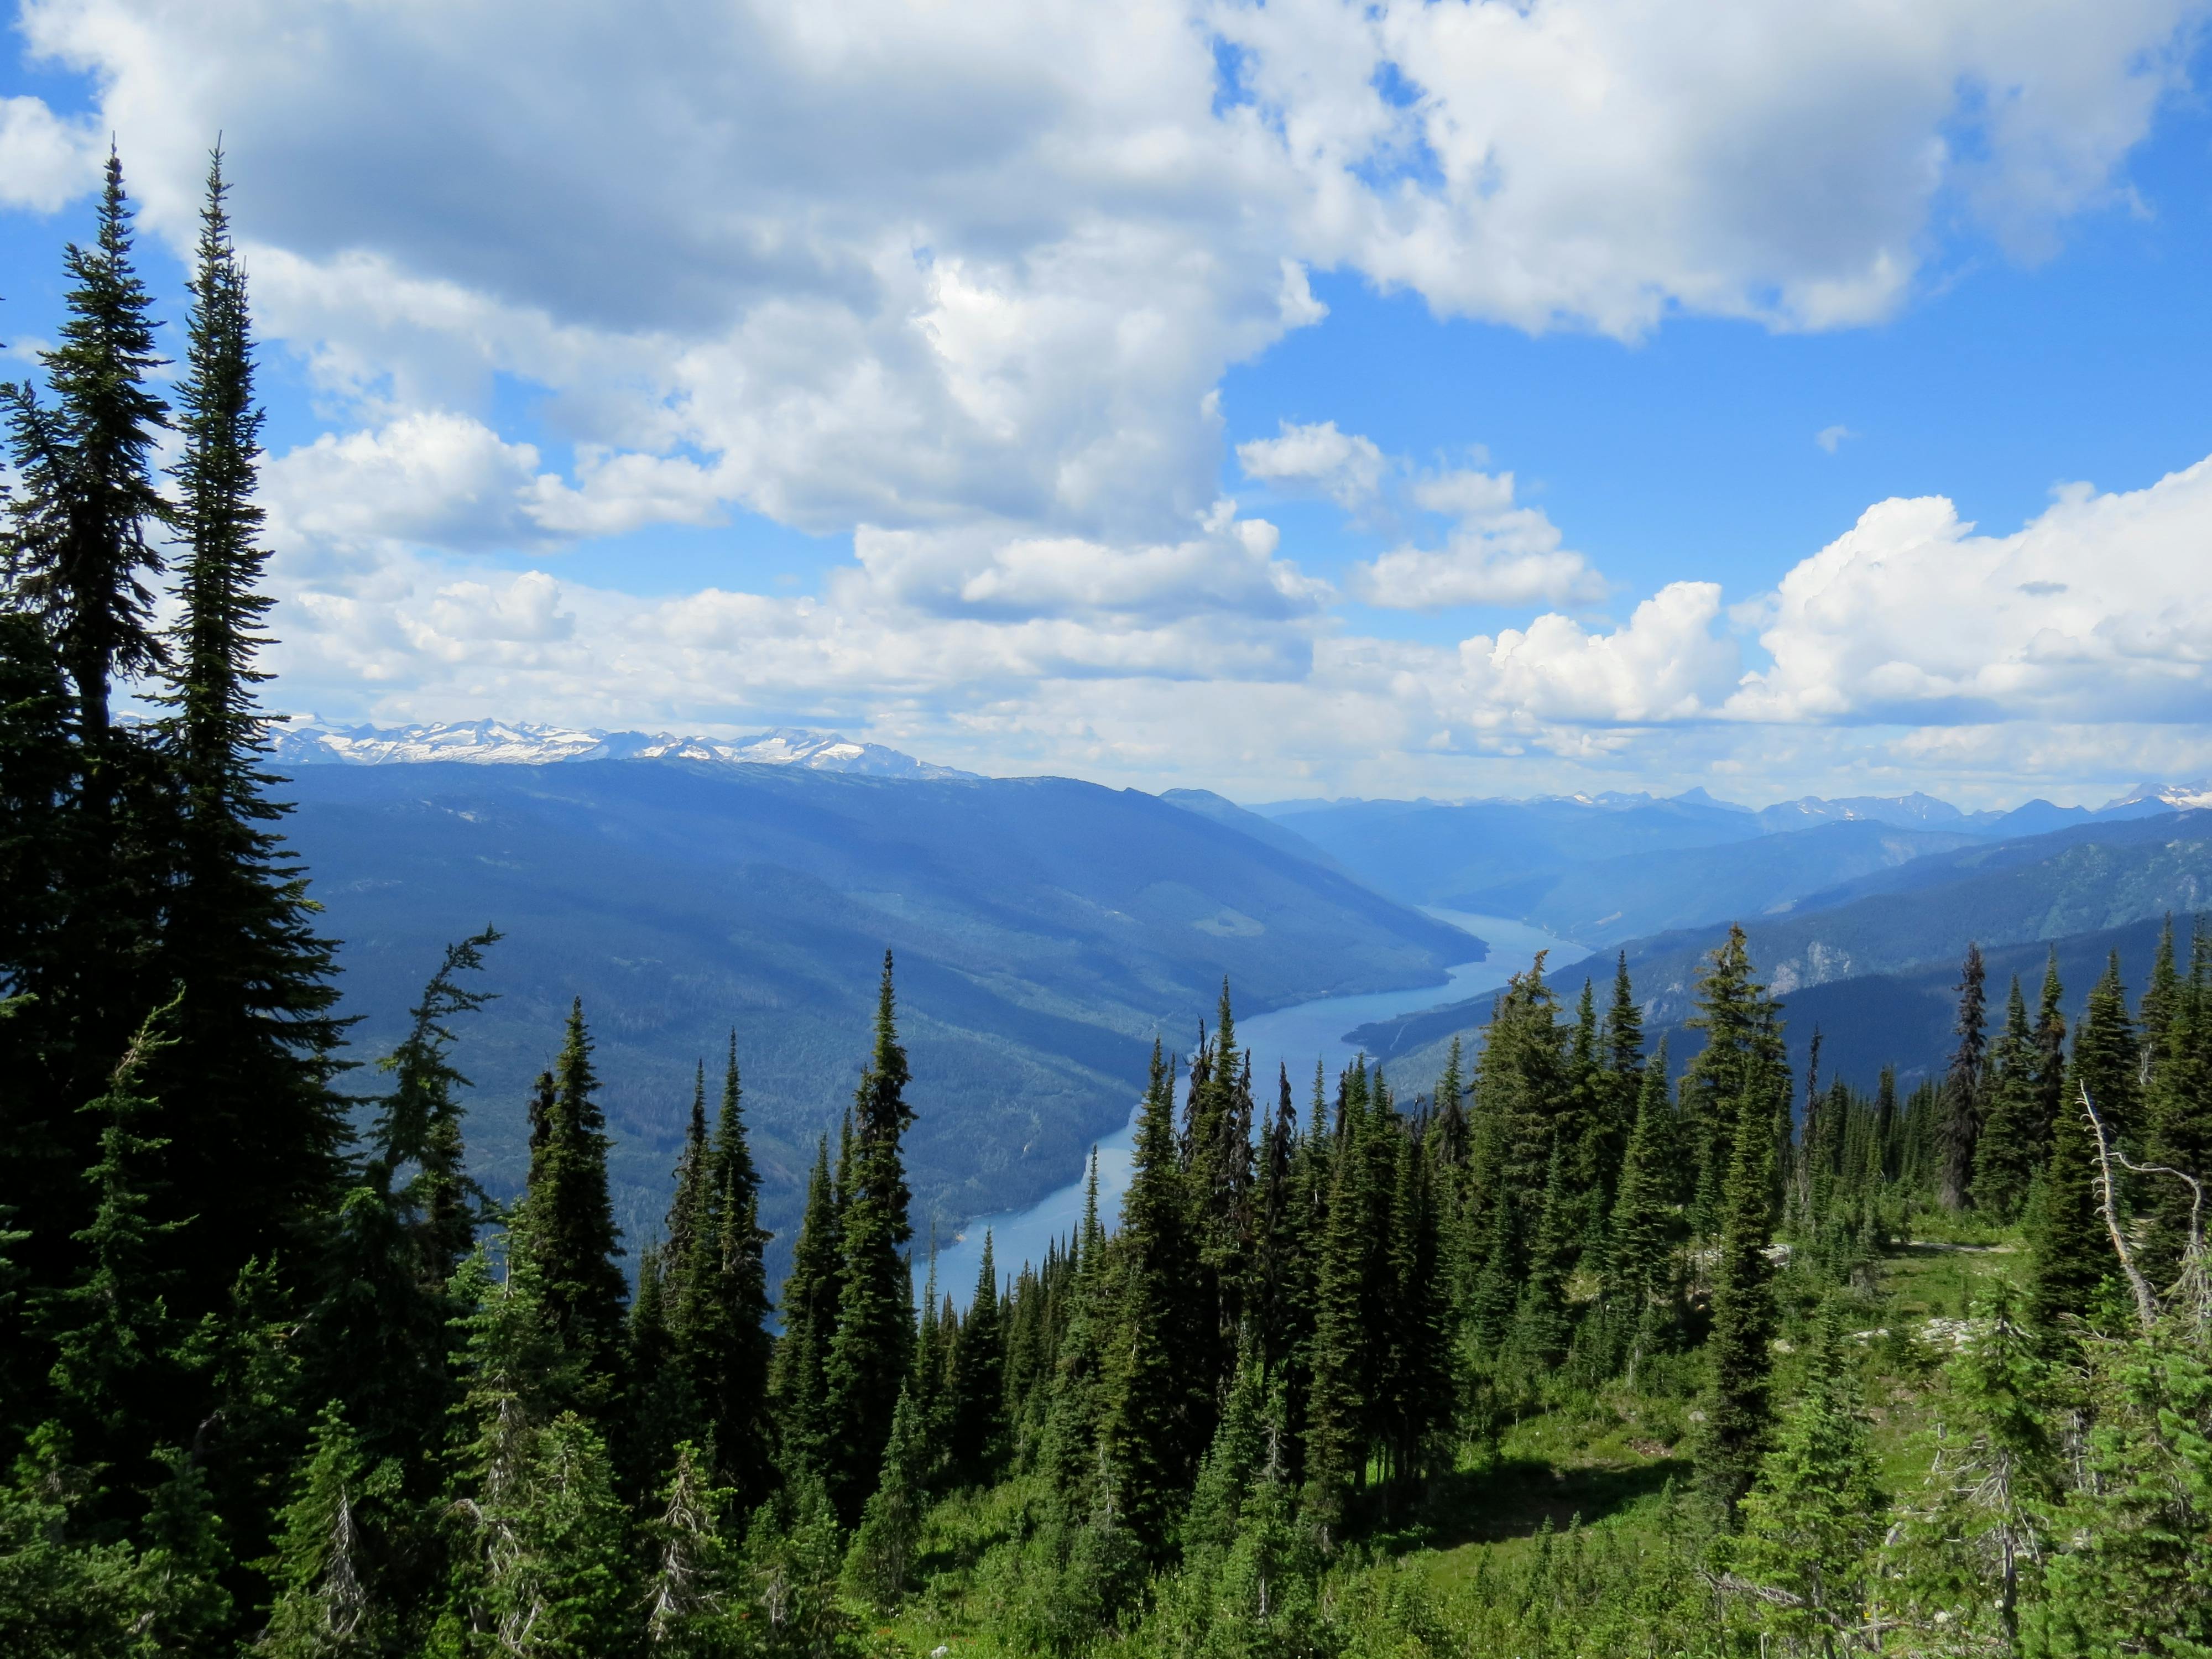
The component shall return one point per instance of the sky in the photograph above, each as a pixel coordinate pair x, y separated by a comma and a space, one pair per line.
1471, 398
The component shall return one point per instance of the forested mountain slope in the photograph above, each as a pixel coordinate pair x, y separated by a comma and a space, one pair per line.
2075, 881
1045, 929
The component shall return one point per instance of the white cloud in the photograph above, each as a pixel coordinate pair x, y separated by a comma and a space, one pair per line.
1831, 438
1342, 466
2094, 611
45, 161
963, 283
1497, 553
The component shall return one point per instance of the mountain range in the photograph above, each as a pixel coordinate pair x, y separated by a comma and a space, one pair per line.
1047, 929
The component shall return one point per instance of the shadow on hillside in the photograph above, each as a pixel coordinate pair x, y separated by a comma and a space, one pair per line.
1514, 1497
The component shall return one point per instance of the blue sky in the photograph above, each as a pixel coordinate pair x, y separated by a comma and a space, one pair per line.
1309, 397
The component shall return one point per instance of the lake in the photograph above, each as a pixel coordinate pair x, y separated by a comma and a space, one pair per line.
1294, 1037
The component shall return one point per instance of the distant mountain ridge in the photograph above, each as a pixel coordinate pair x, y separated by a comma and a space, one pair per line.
519, 743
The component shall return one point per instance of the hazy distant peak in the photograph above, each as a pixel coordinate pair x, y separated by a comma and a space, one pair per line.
1914, 811
2178, 795
505, 743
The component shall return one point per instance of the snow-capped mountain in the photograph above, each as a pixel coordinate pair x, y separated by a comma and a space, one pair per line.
513, 743
2180, 796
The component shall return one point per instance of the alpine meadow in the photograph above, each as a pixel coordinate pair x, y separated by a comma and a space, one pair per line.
1566, 1350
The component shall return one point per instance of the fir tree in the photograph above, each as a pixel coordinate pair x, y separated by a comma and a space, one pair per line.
797, 1383
565, 1223
2014, 1143
978, 1408
86, 515
322, 1574
1639, 1278
693, 1607
116, 1375
1742, 1051
1739, 1417
873, 1347
250, 1079
729, 1336
882, 1547
1811, 1524
1155, 1363
1963, 1087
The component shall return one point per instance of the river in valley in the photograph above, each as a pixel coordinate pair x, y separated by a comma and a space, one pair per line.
1293, 1037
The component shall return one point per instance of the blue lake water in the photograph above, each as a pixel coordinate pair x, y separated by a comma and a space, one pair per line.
1294, 1037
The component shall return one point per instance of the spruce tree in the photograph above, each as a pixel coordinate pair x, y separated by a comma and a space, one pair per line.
323, 1574
1811, 1524
81, 549
978, 1405
117, 1379
250, 1079
872, 1349
1737, 1403
1742, 1051
2108, 1058
798, 1376
1158, 1370
728, 1337
2013, 1141
1639, 1278
1963, 1102
890, 1523
565, 1226
2069, 1252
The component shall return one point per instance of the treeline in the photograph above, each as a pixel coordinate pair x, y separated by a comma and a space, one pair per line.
277, 1375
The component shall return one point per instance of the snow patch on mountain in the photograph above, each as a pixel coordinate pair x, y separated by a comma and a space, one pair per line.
515, 743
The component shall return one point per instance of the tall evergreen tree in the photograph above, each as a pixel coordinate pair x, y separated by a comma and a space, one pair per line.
565, 1223
724, 1332
1963, 1086
1742, 1053
1748, 1077
799, 1386
81, 549
1157, 1372
872, 1349
2013, 1141
250, 1078
978, 1426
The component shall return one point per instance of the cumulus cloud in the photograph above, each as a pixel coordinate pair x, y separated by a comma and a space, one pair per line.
445, 480
1342, 466
965, 284
2093, 610
1497, 553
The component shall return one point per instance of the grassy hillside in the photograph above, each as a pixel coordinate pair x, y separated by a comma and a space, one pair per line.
1044, 929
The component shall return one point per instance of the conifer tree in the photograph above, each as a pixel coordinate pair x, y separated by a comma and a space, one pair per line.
1963, 1087
558, 1584
798, 1380
1811, 1524
1539, 1322
116, 1378
2050, 1049
724, 1329
1742, 1051
693, 1607
82, 548
1157, 1378
2108, 1058
1737, 1403
890, 1523
1639, 1278
322, 1574
565, 1223
250, 1079
2069, 1255
2013, 1141
872, 1349
2178, 1112
978, 1414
